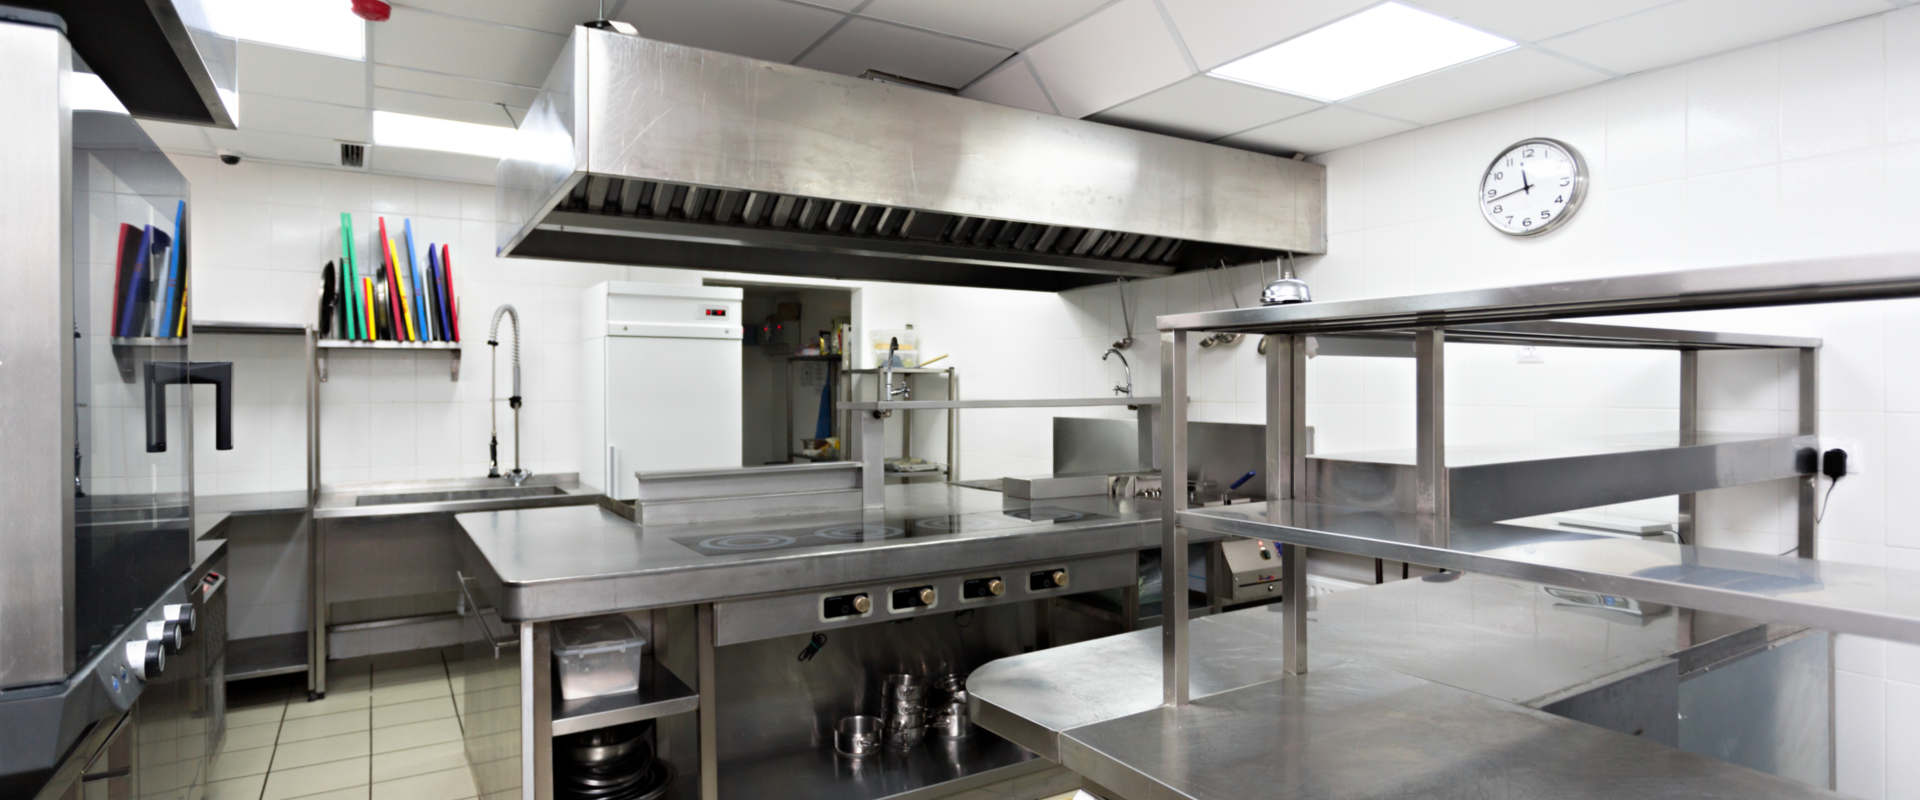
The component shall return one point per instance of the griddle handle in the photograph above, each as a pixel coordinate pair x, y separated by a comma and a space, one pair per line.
161, 374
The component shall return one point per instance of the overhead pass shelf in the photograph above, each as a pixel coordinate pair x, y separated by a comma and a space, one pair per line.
1510, 481
1846, 598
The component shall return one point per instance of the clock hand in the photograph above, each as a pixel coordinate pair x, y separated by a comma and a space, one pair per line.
1525, 185
1510, 194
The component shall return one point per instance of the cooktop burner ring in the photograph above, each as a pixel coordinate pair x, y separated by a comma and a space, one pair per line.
860, 532
1046, 514
747, 541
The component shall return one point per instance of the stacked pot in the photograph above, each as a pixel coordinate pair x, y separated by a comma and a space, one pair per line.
903, 710
614, 763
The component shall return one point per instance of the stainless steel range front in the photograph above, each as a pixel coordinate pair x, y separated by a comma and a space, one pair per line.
98, 591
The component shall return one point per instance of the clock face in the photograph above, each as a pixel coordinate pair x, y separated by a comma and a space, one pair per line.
1533, 187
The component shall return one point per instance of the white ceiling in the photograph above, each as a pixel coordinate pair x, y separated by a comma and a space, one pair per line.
1137, 63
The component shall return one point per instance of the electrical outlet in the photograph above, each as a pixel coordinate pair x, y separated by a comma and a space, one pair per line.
1528, 354
1856, 459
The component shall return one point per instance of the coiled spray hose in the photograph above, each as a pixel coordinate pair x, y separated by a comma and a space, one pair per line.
493, 406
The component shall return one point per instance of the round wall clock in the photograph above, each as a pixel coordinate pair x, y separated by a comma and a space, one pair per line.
1533, 187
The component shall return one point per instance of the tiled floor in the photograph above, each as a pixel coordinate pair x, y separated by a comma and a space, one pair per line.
387, 730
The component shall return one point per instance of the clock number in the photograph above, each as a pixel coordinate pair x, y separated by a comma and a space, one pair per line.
1526, 223
1509, 219
1496, 209
1560, 199
1546, 215
1566, 181
1499, 176
1509, 162
1528, 153
1492, 192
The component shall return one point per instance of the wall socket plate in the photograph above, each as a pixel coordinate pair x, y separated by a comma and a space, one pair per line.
1528, 354
1856, 458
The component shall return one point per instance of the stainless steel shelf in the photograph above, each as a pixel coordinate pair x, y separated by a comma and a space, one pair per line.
323, 345
1871, 601
934, 768
1564, 334
266, 656
1827, 280
251, 328
914, 405
661, 693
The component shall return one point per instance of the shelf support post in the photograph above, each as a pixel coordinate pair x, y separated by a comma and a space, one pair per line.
709, 703
1286, 480
1173, 499
1809, 527
1689, 436
1430, 434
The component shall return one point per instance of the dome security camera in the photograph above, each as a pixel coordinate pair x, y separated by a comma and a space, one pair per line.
229, 159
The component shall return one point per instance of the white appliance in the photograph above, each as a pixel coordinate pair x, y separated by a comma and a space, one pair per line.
662, 371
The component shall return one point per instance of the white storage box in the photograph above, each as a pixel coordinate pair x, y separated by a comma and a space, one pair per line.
597, 656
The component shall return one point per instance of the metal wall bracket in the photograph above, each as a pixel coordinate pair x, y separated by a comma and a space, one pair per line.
452, 348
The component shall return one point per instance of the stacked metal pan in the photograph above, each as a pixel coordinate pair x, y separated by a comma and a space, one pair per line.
614, 763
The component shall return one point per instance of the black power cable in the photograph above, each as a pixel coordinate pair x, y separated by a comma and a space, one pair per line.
1833, 464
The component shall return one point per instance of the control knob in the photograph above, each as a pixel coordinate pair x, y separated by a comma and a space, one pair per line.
167, 635
996, 588
1059, 578
862, 605
181, 613
927, 596
146, 658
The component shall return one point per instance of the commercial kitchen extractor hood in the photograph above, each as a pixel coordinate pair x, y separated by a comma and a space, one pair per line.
648, 153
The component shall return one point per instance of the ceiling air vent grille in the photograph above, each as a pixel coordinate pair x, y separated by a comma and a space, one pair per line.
353, 155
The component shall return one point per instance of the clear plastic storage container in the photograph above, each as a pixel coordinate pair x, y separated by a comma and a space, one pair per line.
908, 356
597, 656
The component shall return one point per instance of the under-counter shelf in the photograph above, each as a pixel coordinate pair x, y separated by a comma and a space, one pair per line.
952, 765
661, 694
266, 656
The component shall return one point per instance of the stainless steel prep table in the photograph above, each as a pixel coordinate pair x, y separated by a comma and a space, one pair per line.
531, 566
1481, 654
568, 562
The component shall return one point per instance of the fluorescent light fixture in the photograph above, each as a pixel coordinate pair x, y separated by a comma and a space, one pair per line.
426, 133
91, 94
320, 26
1385, 44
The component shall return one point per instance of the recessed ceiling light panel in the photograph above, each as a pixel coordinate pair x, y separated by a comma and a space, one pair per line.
1385, 44
321, 26
427, 133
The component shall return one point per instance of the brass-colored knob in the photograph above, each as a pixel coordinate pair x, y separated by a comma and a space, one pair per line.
1059, 577
862, 604
996, 588
926, 596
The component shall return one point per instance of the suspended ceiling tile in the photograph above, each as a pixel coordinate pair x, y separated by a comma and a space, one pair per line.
1118, 54
764, 29
1012, 85
278, 71
176, 138
1329, 128
553, 16
287, 115
1218, 31
1530, 20
426, 105
863, 44
1690, 29
1011, 23
276, 146
1489, 83
843, 5
412, 80
457, 46
1205, 108
431, 164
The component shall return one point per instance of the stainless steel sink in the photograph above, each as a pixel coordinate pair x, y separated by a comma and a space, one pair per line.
459, 495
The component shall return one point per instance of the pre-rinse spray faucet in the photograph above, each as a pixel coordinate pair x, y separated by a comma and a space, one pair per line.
903, 392
1118, 388
516, 475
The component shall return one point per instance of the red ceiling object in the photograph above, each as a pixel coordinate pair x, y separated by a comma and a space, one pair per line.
372, 10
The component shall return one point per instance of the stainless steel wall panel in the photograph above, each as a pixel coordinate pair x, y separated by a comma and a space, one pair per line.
36, 358
1768, 710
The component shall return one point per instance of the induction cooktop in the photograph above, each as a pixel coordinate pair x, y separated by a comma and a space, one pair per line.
893, 528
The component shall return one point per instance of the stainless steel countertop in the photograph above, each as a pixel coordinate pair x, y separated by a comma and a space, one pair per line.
552, 563
1361, 731
211, 510
1505, 639
352, 499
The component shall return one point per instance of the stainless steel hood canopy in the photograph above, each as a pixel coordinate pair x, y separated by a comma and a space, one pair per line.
648, 153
